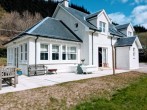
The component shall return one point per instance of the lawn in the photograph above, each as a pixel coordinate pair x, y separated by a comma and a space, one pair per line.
133, 97
83, 94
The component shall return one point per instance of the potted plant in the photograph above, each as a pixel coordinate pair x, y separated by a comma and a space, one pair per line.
19, 72
82, 60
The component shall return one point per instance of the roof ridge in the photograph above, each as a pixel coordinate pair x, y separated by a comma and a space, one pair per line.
74, 9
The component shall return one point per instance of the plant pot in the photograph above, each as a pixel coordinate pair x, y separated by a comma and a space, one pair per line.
19, 72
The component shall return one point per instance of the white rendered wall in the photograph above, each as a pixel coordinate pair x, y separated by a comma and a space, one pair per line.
100, 40
129, 29
134, 60
103, 18
81, 31
122, 58
61, 65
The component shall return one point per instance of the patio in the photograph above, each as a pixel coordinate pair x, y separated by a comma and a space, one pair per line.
25, 82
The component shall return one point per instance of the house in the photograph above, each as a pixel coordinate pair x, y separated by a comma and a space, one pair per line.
63, 40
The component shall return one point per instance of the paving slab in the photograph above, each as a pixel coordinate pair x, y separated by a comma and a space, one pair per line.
25, 82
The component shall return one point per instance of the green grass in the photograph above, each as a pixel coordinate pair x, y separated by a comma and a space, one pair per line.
133, 97
3, 61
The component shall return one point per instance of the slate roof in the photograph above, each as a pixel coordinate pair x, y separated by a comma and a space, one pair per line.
114, 31
93, 15
83, 16
51, 28
127, 41
124, 26
80, 16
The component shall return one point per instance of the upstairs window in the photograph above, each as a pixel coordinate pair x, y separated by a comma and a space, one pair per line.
102, 26
44, 52
129, 34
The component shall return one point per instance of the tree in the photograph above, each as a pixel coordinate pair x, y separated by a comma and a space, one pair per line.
14, 23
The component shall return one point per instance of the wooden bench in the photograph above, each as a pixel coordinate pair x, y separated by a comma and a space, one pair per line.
52, 70
8, 75
38, 69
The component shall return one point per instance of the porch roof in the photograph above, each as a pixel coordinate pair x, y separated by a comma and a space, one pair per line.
128, 41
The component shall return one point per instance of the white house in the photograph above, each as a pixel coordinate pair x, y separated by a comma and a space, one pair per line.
60, 42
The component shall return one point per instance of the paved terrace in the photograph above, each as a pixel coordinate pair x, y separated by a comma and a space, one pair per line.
25, 82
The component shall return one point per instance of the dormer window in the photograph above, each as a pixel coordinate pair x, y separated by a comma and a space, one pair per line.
129, 34
102, 26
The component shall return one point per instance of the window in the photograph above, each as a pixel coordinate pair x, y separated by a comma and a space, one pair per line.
44, 52
133, 52
26, 51
63, 52
104, 52
10, 54
76, 25
21, 52
55, 52
102, 26
71, 53
129, 34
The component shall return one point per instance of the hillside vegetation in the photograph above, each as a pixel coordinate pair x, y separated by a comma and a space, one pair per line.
18, 15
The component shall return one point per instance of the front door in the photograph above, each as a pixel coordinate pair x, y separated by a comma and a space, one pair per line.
16, 56
102, 57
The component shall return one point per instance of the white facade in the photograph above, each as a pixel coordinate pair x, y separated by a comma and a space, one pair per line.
127, 57
96, 47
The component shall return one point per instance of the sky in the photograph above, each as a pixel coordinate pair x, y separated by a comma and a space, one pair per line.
120, 11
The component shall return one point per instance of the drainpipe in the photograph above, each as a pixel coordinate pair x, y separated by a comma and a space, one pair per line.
92, 46
36, 51
113, 57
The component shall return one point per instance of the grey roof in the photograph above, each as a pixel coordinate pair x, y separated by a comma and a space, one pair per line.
93, 15
80, 16
114, 31
127, 41
124, 26
52, 28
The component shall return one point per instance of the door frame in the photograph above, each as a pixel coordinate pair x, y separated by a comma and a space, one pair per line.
102, 55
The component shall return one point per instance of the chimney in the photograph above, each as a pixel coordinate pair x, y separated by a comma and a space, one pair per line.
66, 3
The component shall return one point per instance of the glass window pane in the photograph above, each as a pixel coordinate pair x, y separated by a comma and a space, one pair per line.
73, 50
55, 56
63, 56
63, 48
44, 48
55, 48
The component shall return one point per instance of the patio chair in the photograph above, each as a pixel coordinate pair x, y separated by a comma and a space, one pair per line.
7, 74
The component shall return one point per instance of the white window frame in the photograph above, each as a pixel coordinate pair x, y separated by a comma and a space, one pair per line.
69, 52
55, 52
102, 26
134, 53
129, 33
25, 51
64, 52
21, 52
44, 52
